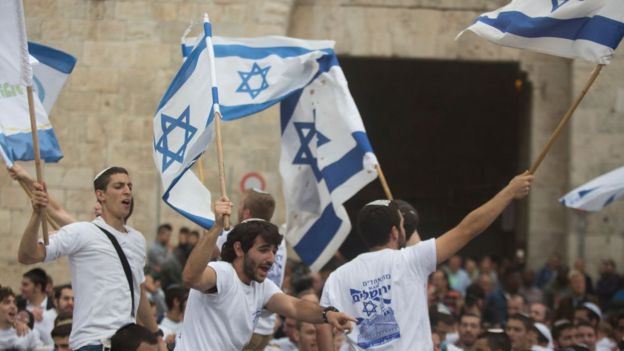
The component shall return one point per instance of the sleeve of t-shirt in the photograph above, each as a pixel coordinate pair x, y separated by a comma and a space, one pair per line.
269, 289
421, 258
325, 296
224, 276
222, 238
65, 242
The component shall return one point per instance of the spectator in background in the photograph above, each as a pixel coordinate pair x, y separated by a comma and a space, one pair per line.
133, 337
485, 282
517, 328
442, 294
470, 266
541, 337
64, 299
193, 238
605, 338
528, 290
588, 312
161, 251
496, 304
469, 329
540, 313
579, 265
183, 250
516, 303
564, 334
577, 297
155, 294
548, 273
586, 335
475, 300
608, 283
458, 278
493, 340
35, 299
445, 325
9, 338
60, 335
487, 266
172, 322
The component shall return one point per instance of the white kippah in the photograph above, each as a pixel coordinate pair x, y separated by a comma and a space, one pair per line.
101, 172
253, 220
379, 203
259, 191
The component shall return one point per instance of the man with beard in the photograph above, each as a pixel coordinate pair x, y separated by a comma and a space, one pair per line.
469, 330
384, 288
228, 296
105, 300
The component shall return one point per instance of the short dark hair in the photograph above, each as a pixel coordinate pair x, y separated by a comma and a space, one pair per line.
246, 233
130, 336
101, 180
61, 330
59, 289
6, 292
559, 326
38, 276
175, 292
497, 340
184, 230
164, 227
410, 217
470, 314
375, 221
526, 320
260, 204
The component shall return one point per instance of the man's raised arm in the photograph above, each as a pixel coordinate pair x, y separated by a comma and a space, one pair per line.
30, 250
481, 218
197, 274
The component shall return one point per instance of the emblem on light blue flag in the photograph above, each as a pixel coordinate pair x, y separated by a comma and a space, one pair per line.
254, 81
169, 125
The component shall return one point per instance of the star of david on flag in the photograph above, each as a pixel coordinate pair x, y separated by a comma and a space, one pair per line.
254, 81
183, 129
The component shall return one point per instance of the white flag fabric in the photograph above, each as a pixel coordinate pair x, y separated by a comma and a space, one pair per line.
14, 59
51, 69
183, 128
326, 159
585, 29
597, 193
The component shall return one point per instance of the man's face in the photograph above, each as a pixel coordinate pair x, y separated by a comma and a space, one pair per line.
62, 343
469, 329
258, 260
117, 198
586, 335
193, 239
515, 305
28, 288
517, 334
8, 310
482, 345
577, 283
538, 312
619, 330
164, 236
567, 338
307, 337
581, 316
455, 263
438, 280
65, 302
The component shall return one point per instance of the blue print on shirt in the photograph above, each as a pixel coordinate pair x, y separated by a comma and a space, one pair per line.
376, 322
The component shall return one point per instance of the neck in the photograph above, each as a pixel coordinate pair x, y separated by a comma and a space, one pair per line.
4, 324
174, 314
37, 298
240, 272
389, 245
113, 221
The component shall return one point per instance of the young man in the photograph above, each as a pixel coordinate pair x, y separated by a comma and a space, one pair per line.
518, 328
469, 330
103, 302
175, 297
259, 204
564, 334
385, 287
134, 337
227, 297
64, 299
60, 335
9, 339
35, 299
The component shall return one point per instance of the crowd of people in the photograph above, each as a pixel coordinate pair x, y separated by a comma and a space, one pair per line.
237, 290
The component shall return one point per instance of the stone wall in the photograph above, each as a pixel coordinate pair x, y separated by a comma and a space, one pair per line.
128, 52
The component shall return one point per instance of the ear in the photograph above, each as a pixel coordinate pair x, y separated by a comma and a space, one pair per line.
176, 302
99, 195
394, 234
246, 213
238, 249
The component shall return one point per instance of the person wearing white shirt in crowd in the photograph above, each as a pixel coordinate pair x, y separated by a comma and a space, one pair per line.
256, 203
227, 297
458, 278
469, 329
382, 288
34, 298
175, 297
9, 338
103, 302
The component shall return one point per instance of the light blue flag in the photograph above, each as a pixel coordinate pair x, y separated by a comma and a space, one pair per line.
183, 129
586, 29
326, 159
596, 194
51, 68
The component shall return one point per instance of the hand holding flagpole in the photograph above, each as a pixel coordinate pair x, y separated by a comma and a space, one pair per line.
217, 113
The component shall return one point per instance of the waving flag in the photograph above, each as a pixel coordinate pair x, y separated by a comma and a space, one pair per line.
326, 159
183, 129
590, 30
52, 69
598, 193
14, 60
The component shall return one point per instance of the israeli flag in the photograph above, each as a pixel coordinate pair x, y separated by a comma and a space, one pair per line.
183, 129
598, 193
326, 159
586, 29
51, 68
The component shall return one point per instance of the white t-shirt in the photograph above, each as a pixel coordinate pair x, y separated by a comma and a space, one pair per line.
10, 340
46, 324
385, 291
266, 323
169, 327
281, 344
223, 320
102, 296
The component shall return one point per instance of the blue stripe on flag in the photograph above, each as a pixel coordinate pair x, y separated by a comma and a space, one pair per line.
56, 59
20, 146
187, 69
599, 29
350, 164
255, 53
316, 239
215, 95
208, 29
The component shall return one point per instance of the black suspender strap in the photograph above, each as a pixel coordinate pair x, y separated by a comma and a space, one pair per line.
124, 263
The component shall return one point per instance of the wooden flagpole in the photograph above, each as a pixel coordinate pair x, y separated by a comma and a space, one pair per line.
217, 118
566, 118
35, 137
383, 181
52, 222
